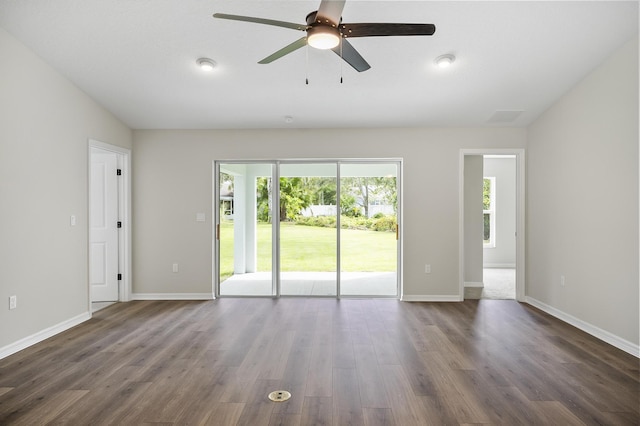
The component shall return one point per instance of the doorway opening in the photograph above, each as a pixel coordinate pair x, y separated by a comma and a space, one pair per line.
492, 224
109, 230
321, 228
499, 227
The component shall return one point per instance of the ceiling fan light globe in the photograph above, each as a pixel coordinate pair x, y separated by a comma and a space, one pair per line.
323, 38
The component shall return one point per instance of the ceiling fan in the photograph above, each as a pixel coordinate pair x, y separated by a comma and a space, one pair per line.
325, 30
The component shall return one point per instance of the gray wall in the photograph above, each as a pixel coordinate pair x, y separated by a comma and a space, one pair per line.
173, 181
503, 255
582, 199
473, 219
45, 123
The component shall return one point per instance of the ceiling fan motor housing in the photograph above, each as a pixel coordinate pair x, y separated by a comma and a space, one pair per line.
312, 21
322, 34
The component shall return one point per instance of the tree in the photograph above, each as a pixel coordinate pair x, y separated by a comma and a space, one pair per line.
293, 198
367, 189
322, 190
387, 190
298, 193
348, 205
263, 199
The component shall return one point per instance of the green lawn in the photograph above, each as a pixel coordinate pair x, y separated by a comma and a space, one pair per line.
313, 249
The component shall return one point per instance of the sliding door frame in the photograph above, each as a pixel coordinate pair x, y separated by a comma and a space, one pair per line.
275, 240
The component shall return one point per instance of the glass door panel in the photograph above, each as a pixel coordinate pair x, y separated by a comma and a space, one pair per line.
245, 229
308, 234
368, 235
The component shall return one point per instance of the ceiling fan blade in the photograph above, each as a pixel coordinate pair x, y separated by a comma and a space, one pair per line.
285, 50
380, 29
261, 21
351, 56
330, 10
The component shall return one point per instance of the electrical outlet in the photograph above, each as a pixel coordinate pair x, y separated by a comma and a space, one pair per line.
427, 269
562, 282
175, 267
13, 302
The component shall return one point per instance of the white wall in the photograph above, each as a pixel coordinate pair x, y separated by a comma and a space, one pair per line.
45, 124
173, 181
503, 255
582, 200
473, 219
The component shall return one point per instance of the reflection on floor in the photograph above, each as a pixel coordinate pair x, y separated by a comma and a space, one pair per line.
499, 283
312, 284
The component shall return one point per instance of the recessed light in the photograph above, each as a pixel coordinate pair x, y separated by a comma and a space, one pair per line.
445, 61
206, 64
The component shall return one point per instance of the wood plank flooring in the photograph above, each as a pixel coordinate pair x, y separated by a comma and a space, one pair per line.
346, 362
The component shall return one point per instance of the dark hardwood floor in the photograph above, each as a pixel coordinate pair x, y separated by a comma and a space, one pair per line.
347, 362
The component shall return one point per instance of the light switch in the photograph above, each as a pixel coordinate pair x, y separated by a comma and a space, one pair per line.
200, 217
72, 220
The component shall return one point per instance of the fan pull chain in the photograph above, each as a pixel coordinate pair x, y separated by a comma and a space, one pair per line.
306, 64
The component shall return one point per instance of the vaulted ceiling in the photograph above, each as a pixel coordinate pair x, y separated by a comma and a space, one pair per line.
137, 58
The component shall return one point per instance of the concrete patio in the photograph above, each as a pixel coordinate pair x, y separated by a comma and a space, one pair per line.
370, 284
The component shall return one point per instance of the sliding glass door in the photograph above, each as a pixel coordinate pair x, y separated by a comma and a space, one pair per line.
308, 233
244, 230
369, 229
324, 228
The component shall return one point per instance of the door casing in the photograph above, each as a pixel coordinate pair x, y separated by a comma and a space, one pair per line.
520, 216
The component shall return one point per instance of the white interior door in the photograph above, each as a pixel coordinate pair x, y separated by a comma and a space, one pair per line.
103, 229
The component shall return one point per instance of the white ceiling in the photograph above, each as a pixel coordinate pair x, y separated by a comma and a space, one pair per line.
138, 59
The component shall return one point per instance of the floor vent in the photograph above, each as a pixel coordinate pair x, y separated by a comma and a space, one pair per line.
279, 396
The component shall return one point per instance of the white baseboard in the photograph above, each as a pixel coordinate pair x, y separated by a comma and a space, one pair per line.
171, 296
601, 334
43, 335
499, 265
473, 284
430, 298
